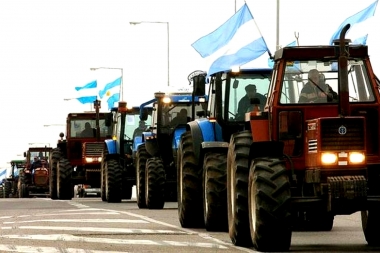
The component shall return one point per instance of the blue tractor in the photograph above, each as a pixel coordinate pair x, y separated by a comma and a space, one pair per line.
156, 157
203, 148
118, 173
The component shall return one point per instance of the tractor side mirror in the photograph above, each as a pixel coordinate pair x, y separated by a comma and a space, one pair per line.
108, 119
235, 84
144, 114
199, 85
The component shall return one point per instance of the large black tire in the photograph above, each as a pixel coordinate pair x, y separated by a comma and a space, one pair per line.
7, 189
237, 188
269, 199
64, 185
141, 158
113, 181
23, 191
154, 183
371, 226
215, 191
55, 156
189, 182
103, 194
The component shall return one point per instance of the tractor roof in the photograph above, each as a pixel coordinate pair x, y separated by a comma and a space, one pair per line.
319, 52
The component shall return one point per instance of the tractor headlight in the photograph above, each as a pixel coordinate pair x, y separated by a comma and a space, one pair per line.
328, 158
93, 159
166, 100
356, 157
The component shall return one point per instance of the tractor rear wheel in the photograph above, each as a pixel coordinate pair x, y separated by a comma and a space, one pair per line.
214, 191
64, 187
113, 181
269, 205
103, 194
154, 183
141, 157
237, 188
371, 226
189, 184
22, 189
55, 155
24, 192
7, 189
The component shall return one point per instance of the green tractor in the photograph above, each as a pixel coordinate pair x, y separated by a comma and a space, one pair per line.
10, 183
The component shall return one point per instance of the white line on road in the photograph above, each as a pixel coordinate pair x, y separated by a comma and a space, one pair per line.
104, 230
80, 220
31, 249
71, 238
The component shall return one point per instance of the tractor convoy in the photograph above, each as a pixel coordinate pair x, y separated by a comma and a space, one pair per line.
294, 164
263, 153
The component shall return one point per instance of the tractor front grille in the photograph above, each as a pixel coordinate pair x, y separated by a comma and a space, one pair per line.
342, 134
93, 149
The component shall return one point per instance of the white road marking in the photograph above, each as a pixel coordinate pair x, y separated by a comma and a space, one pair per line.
79, 213
31, 249
80, 220
104, 230
6, 217
82, 239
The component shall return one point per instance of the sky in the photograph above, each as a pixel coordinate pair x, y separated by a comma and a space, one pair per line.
48, 47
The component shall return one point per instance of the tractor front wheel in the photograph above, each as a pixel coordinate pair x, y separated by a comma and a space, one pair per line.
214, 192
189, 185
64, 187
154, 183
141, 158
113, 181
237, 188
269, 205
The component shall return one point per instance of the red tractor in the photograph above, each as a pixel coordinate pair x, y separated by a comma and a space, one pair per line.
34, 178
77, 159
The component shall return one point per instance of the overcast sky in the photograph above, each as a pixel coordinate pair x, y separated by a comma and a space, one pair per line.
48, 47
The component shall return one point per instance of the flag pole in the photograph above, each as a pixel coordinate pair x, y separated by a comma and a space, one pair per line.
278, 25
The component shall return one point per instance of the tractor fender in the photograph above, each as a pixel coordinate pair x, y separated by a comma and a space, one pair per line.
177, 136
111, 148
272, 149
205, 135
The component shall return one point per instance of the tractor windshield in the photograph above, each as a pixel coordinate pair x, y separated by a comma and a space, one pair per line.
242, 89
80, 128
317, 82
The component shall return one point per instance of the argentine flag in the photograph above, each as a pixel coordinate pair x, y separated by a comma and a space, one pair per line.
111, 92
235, 43
87, 93
358, 32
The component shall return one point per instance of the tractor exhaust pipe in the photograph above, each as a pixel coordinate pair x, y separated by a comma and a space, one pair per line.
344, 103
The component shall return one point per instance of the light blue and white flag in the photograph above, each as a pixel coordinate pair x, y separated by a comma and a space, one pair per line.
112, 100
87, 93
111, 92
361, 40
90, 85
358, 18
235, 43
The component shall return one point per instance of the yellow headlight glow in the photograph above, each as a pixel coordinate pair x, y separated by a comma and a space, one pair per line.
329, 158
166, 100
356, 157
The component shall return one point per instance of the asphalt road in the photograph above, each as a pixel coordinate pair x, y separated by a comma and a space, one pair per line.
89, 225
